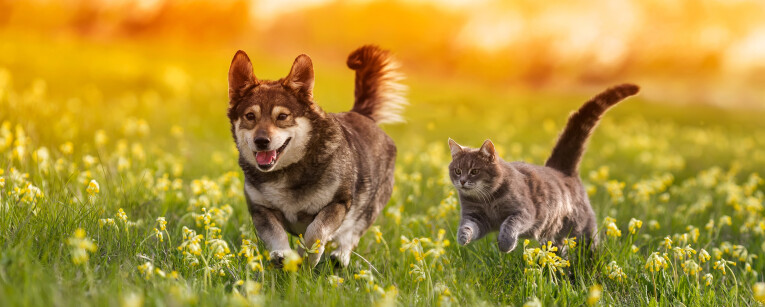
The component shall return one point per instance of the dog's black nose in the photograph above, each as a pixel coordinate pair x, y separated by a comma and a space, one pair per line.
262, 142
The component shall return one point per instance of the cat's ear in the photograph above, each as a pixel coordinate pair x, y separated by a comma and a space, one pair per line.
454, 147
487, 149
240, 75
300, 78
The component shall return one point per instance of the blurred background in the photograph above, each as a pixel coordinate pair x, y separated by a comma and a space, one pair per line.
687, 51
506, 70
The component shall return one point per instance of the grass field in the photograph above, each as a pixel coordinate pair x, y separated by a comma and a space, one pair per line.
119, 184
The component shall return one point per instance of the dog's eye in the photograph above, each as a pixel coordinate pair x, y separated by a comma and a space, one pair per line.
473, 172
250, 116
282, 116
457, 171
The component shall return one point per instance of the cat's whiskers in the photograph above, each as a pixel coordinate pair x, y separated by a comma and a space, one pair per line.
485, 195
489, 193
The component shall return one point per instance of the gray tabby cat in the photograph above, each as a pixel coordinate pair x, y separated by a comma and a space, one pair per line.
524, 200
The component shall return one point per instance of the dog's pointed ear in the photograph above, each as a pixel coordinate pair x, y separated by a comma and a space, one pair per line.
239, 75
487, 149
454, 147
300, 78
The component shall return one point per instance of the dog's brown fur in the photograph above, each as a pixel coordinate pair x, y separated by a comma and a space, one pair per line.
334, 171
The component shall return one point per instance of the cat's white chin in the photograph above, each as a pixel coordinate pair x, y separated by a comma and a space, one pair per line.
467, 190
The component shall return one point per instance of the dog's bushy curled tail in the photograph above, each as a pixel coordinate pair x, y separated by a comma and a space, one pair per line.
567, 153
379, 94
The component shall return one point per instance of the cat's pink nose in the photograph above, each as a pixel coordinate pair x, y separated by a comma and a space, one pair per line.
462, 182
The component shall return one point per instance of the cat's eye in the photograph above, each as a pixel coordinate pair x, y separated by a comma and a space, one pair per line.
457, 171
473, 172
250, 116
282, 116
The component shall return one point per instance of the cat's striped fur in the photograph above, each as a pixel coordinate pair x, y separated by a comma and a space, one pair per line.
524, 200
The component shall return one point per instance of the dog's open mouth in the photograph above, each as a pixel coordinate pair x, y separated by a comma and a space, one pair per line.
267, 159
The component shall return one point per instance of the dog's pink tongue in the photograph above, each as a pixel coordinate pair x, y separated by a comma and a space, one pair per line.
265, 157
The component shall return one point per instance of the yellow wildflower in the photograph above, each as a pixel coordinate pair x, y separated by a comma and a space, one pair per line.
690, 267
292, 261
635, 225
615, 189
599, 175
147, 270
107, 222
656, 262
667, 243
570, 242
81, 247
615, 272
93, 188
654, 225
710, 226
593, 297
611, 229
722, 264
335, 280
704, 256
159, 235
122, 216
725, 220
759, 292
66, 148
708, 279
100, 138
162, 223
378, 234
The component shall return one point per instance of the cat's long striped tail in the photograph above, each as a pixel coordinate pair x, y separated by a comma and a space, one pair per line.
572, 142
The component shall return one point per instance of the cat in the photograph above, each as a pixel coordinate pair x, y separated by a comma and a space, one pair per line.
546, 203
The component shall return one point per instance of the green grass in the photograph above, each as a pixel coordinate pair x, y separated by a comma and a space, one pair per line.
693, 164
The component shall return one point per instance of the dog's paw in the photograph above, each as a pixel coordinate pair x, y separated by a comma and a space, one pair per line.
340, 258
313, 259
464, 235
507, 243
277, 257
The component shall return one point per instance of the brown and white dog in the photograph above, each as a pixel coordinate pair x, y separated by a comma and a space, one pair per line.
323, 175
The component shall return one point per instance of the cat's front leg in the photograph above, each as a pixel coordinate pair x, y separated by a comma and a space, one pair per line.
465, 234
512, 227
470, 230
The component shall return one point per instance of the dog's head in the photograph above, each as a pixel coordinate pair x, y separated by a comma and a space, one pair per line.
271, 120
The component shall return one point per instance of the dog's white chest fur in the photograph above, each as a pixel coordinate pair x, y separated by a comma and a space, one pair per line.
277, 195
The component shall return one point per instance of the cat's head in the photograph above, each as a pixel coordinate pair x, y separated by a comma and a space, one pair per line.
473, 170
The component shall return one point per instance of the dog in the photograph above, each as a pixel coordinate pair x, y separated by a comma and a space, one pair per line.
325, 176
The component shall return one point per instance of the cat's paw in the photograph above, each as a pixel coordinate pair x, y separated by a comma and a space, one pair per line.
507, 243
464, 235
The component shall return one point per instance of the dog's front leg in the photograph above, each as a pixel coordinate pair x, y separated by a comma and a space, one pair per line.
326, 222
270, 229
